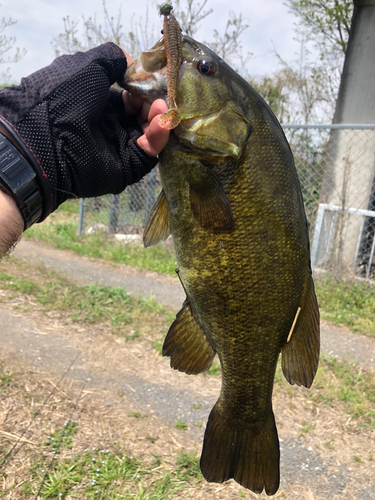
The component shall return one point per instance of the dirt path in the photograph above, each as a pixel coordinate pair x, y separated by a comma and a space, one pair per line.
336, 341
131, 376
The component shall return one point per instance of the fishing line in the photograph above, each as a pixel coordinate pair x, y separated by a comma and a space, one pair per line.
37, 414
57, 450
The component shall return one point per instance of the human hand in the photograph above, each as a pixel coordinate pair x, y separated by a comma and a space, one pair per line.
84, 137
154, 138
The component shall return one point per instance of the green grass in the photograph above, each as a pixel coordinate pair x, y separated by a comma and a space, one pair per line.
103, 474
70, 206
215, 368
63, 235
350, 385
182, 425
89, 304
62, 437
5, 381
349, 302
340, 385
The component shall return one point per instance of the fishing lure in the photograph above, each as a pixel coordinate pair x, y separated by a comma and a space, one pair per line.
173, 50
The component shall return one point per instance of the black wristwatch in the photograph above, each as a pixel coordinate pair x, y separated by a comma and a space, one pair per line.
18, 179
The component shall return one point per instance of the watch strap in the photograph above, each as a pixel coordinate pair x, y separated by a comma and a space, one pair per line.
18, 179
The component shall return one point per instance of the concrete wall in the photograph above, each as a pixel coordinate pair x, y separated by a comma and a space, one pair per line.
351, 184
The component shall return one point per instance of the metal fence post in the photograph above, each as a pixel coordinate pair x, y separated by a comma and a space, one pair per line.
81, 217
113, 213
150, 200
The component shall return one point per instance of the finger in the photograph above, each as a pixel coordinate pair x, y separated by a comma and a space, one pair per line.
158, 107
133, 104
155, 138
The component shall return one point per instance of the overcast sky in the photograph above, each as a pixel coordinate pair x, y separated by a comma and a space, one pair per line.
38, 21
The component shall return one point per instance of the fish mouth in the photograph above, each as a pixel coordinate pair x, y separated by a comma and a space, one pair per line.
148, 85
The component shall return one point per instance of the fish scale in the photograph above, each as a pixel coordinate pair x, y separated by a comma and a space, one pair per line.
231, 200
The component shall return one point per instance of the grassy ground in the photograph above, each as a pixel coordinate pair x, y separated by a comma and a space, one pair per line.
127, 316
60, 461
349, 302
78, 459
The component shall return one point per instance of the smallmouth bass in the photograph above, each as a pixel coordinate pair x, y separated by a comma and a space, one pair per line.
232, 201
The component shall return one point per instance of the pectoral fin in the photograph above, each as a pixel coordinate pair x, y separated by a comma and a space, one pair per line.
208, 200
300, 356
187, 345
157, 227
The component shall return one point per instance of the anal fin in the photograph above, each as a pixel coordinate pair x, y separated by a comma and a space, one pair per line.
157, 227
187, 345
300, 356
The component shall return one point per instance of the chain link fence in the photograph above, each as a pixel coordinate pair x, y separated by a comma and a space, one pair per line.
336, 167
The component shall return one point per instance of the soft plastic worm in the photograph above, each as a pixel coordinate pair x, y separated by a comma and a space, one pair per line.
173, 50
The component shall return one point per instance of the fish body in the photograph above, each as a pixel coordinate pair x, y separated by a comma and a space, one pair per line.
232, 201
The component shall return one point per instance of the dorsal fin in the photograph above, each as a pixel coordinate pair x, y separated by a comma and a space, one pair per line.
208, 200
187, 345
300, 356
157, 227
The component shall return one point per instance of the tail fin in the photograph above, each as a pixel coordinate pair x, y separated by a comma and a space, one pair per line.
249, 455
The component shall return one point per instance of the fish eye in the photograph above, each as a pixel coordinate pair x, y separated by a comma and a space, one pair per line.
206, 68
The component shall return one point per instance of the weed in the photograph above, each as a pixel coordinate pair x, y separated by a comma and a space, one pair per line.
159, 258
358, 459
329, 445
5, 381
215, 369
181, 424
197, 406
17, 284
352, 386
347, 301
188, 466
90, 304
94, 474
135, 414
158, 345
134, 335
340, 383
306, 427
62, 437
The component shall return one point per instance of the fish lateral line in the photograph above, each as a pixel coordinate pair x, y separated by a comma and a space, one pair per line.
293, 325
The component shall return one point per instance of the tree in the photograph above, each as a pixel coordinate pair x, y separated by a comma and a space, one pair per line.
326, 21
142, 36
8, 53
308, 86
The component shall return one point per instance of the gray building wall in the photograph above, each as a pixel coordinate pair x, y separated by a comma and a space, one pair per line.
352, 182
